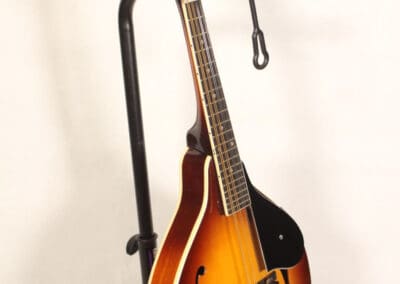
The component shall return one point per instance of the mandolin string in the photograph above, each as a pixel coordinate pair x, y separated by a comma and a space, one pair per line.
205, 88
220, 137
197, 46
199, 13
202, 61
226, 152
213, 81
210, 90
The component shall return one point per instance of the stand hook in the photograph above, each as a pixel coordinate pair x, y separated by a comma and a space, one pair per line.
258, 41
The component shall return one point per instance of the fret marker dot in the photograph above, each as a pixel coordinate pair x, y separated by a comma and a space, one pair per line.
231, 170
214, 95
221, 128
208, 70
232, 144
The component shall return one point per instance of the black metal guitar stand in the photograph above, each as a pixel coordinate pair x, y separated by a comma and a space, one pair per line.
145, 241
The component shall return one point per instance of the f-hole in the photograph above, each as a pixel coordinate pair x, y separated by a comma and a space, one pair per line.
200, 272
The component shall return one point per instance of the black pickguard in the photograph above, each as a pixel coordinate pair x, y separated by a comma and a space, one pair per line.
281, 239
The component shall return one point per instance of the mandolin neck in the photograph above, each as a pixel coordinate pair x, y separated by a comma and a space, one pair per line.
213, 129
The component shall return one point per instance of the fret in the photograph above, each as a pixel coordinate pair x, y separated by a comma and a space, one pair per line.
215, 95
236, 203
207, 69
226, 152
236, 173
192, 28
235, 164
191, 10
221, 115
200, 24
201, 43
200, 58
209, 92
235, 184
210, 77
209, 51
224, 123
234, 159
227, 161
211, 68
231, 142
218, 127
207, 74
218, 113
239, 189
242, 203
192, 16
201, 50
242, 187
215, 99
199, 34
222, 133
240, 199
236, 200
236, 190
212, 97
196, 18
208, 64
243, 200
238, 170
207, 84
227, 173
242, 191
232, 178
210, 84
197, 24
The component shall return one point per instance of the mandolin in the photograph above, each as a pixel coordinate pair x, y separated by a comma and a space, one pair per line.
224, 230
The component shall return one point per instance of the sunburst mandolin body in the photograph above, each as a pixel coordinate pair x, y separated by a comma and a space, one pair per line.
205, 246
224, 231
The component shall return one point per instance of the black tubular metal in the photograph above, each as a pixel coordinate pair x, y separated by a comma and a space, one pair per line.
258, 40
145, 241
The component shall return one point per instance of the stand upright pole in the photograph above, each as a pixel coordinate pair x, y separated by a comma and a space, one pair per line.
145, 241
